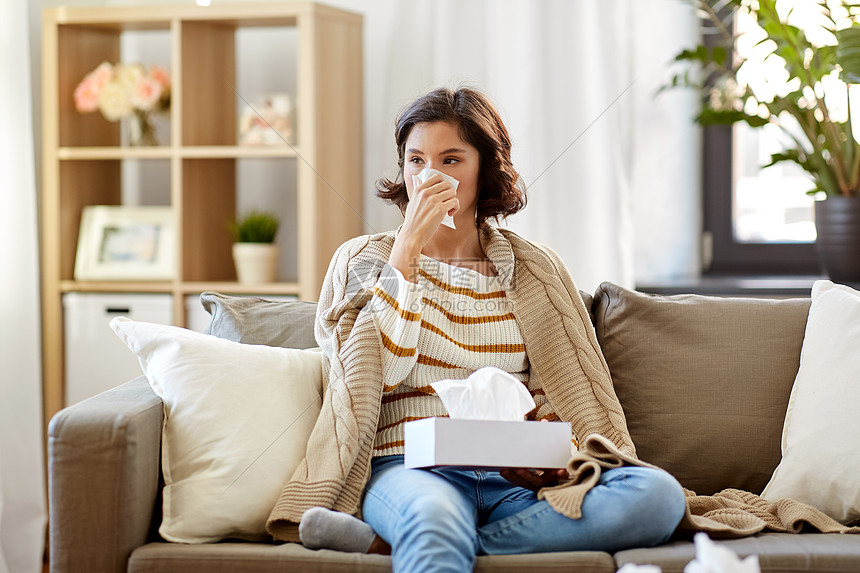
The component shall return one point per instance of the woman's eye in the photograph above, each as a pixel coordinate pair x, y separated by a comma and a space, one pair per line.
415, 160
451, 160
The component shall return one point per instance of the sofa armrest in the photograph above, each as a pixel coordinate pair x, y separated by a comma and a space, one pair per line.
103, 478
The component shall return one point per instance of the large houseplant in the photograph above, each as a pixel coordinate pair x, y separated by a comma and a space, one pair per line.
807, 108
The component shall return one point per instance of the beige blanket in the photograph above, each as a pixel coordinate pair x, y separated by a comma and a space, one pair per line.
729, 513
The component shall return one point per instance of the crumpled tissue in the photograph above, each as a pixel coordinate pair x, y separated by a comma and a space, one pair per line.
426, 174
713, 558
634, 568
489, 393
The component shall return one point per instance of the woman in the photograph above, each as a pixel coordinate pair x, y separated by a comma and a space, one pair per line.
428, 302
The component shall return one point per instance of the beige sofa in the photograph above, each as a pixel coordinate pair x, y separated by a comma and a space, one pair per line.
704, 382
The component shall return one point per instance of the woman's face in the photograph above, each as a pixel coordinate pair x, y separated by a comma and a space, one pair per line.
438, 145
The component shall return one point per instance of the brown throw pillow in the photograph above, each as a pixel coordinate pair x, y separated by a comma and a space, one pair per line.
704, 381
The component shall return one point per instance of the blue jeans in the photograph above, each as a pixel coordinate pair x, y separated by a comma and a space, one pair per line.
438, 520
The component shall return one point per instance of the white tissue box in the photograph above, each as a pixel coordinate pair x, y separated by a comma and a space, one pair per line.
486, 444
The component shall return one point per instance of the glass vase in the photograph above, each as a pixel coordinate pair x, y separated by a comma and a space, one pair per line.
141, 132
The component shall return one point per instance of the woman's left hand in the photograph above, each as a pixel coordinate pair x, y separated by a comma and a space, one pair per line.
534, 479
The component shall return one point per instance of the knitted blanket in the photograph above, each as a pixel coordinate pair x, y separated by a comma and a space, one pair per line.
729, 513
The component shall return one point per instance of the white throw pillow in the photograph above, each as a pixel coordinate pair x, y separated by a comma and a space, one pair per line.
237, 421
820, 445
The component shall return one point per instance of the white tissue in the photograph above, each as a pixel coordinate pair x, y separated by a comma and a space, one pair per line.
633, 568
423, 176
489, 393
713, 558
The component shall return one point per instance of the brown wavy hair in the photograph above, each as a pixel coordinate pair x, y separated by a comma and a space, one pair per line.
501, 191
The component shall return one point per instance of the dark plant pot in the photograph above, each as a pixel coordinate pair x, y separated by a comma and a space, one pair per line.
837, 221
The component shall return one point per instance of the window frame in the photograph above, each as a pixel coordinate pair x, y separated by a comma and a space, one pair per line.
729, 256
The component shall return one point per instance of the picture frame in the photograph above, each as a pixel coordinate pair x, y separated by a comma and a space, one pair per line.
126, 243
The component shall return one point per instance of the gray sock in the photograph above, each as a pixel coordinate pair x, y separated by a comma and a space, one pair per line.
323, 528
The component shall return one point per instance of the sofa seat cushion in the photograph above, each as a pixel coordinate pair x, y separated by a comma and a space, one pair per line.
230, 557
777, 553
704, 381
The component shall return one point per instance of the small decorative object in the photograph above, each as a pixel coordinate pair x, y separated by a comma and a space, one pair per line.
125, 243
254, 252
126, 91
267, 122
811, 108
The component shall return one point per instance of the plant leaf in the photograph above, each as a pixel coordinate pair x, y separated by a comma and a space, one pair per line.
728, 117
848, 53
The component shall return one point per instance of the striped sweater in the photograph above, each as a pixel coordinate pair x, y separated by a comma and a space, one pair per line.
453, 322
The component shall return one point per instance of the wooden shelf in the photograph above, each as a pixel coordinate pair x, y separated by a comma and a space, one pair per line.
232, 151
91, 153
241, 288
311, 51
115, 286
188, 152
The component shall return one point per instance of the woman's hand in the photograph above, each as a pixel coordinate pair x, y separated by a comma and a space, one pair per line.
534, 479
427, 206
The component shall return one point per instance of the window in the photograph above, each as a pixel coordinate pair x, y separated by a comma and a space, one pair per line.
757, 221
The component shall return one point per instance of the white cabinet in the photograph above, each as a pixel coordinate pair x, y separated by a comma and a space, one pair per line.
96, 359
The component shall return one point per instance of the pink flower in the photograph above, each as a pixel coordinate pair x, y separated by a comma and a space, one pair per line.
87, 93
87, 96
101, 75
160, 75
146, 93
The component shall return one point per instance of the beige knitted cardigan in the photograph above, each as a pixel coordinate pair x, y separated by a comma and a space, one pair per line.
551, 317
563, 354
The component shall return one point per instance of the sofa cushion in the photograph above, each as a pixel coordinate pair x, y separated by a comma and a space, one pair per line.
777, 552
237, 418
264, 557
820, 458
251, 320
704, 381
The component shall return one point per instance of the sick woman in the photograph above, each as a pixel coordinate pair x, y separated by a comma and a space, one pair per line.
445, 294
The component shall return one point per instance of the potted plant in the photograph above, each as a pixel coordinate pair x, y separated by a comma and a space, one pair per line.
812, 109
254, 251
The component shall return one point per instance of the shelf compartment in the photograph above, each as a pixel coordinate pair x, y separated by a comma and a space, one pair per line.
266, 184
235, 63
88, 182
208, 205
214, 192
209, 66
80, 49
83, 183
